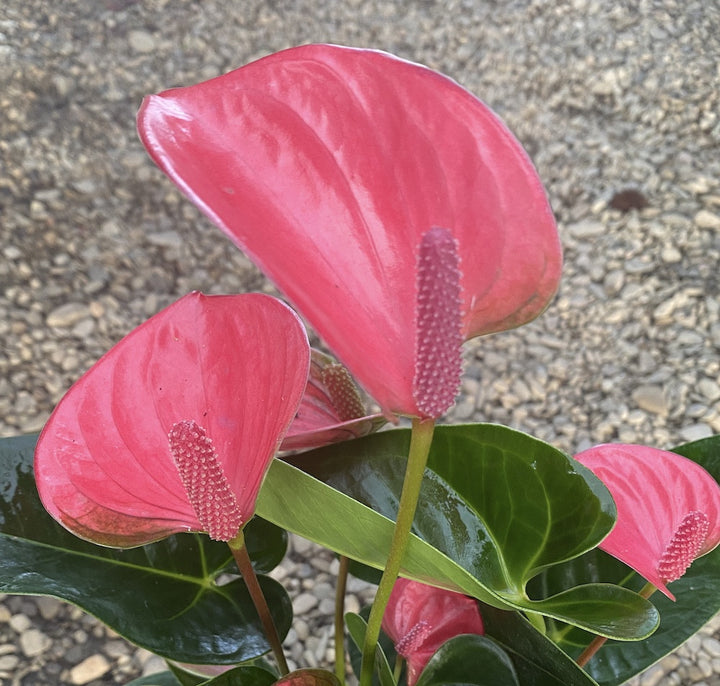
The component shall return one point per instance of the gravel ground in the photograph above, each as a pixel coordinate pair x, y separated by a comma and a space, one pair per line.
607, 98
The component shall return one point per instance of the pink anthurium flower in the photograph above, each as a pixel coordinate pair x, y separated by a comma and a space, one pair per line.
174, 428
420, 618
331, 409
668, 509
393, 208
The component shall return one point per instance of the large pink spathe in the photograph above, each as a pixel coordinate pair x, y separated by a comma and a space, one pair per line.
177, 424
328, 166
668, 509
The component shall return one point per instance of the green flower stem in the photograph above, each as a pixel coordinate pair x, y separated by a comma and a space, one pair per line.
599, 641
421, 438
242, 558
340, 619
398, 668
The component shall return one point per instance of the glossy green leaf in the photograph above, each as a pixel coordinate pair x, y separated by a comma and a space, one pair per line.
357, 626
537, 660
162, 597
469, 660
243, 676
194, 675
499, 504
697, 596
159, 679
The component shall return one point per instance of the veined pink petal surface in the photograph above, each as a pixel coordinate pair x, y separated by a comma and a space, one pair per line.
328, 165
420, 618
235, 366
668, 508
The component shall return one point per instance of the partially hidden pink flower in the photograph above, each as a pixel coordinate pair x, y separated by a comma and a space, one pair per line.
393, 208
420, 618
331, 410
174, 428
668, 509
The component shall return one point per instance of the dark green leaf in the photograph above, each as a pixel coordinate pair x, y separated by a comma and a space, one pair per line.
469, 661
500, 504
162, 596
243, 676
537, 660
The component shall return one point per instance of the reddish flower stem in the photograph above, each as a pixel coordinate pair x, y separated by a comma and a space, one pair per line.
242, 558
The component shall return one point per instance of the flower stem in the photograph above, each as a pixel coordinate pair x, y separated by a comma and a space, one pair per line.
398, 668
421, 438
340, 619
240, 553
599, 641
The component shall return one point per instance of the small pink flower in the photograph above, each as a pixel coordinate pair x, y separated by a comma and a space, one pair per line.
420, 618
668, 509
331, 410
393, 208
174, 428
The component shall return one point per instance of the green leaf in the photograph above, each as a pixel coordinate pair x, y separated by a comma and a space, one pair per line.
697, 596
159, 679
357, 626
469, 661
537, 660
499, 504
243, 676
162, 597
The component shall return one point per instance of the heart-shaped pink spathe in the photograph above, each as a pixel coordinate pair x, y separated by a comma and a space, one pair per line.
328, 165
231, 369
668, 509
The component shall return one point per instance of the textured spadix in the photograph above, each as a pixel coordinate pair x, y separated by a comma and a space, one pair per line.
328, 165
668, 509
420, 618
204, 390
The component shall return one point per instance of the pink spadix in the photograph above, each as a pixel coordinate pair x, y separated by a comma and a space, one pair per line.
668, 509
206, 485
438, 365
686, 544
343, 393
413, 640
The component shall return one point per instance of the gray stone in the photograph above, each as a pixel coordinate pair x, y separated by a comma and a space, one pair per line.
707, 220
141, 41
304, 603
695, 432
67, 315
586, 229
89, 669
34, 642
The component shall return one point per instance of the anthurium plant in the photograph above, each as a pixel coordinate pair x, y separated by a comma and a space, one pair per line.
400, 218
